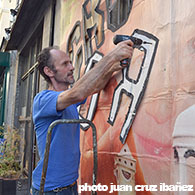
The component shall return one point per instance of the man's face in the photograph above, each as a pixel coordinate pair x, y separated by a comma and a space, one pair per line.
63, 67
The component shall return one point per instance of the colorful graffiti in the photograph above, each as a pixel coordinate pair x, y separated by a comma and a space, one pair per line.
134, 88
137, 115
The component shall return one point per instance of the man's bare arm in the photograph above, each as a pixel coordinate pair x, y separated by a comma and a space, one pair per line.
97, 78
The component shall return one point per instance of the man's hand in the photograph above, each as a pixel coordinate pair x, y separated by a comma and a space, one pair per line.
122, 51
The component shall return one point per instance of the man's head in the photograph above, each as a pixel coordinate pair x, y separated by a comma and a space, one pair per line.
55, 66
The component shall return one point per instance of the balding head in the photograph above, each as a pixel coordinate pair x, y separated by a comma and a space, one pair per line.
46, 58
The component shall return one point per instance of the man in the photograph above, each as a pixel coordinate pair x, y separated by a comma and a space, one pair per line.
60, 102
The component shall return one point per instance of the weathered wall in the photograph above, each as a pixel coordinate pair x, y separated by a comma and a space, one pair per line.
147, 155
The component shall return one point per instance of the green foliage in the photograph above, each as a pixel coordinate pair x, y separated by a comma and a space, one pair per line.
9, 162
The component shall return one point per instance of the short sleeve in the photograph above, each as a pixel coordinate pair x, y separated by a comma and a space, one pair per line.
44, 105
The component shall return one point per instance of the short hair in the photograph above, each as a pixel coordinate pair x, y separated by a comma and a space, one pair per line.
45, 59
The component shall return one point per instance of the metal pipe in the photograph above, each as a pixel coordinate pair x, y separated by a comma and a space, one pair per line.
47, 148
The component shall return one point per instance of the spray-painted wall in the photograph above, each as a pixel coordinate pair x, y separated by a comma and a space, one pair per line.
144, 116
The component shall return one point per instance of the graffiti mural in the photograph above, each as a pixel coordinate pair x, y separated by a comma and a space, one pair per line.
116, 18
94, 99
93, 21
125, 168
145, 114
134, 88
184, 147
74, 37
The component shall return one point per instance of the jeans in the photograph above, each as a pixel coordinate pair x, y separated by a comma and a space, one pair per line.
69, 191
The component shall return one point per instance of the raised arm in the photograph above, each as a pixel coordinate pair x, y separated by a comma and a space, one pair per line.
97, 78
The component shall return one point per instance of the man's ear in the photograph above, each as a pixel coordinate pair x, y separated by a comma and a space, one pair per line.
48, 71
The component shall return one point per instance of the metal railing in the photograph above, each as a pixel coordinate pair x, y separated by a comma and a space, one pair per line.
47, 148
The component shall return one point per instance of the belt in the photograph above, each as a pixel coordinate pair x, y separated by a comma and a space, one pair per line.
64, 188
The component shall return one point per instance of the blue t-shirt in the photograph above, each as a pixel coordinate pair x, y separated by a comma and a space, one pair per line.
64, 156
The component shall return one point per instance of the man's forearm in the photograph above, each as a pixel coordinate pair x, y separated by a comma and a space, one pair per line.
97, 78
92, 82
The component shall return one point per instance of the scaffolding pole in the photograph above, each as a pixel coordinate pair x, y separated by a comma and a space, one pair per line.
47, 148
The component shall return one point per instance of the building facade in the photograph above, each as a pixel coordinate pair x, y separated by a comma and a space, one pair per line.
6, 18
142, 116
